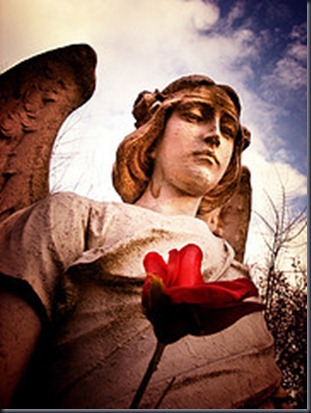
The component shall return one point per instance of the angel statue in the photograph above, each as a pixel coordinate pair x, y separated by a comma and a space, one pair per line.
90, 291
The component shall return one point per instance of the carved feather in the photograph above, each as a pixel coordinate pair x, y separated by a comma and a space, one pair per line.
36, 96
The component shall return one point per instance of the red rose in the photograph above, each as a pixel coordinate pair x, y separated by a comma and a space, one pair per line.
178, 301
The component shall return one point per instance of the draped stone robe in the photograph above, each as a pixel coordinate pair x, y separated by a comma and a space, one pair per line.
79, 263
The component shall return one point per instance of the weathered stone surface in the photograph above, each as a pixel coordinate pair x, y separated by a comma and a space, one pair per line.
36, 96
231, 221
100, 351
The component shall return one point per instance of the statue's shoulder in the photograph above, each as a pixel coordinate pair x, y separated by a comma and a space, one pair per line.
72, 201
66, 206
66, 198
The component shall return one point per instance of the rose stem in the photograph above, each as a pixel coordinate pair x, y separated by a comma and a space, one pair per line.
151, 368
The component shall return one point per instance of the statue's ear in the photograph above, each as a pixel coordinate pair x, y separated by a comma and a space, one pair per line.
36, 96
231, 221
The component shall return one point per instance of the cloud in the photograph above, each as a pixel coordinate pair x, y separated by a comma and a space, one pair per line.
299, 32
237, 12
204, 16
270, 177
290, 71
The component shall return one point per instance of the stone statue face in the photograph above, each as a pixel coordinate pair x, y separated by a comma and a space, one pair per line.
196, 147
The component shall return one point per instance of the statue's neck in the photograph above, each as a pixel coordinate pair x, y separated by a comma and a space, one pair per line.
168, 203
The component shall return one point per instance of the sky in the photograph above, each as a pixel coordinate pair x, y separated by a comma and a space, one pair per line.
258, 48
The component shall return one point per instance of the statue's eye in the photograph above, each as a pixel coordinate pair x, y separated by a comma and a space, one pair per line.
193, 116
191, 113
228, 127
228, 131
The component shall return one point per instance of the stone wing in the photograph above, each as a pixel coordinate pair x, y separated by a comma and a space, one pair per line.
36, 96
231, 221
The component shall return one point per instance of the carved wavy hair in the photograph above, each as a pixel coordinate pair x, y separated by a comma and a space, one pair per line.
133, 167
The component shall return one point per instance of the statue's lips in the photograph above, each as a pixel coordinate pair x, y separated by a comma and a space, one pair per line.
206, 155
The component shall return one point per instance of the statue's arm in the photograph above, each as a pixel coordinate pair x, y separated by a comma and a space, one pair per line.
20, 327
36, 96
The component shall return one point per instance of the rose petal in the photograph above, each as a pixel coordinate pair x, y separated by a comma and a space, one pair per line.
173, 267
210, 321
190, 266
213, 295
155, 264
